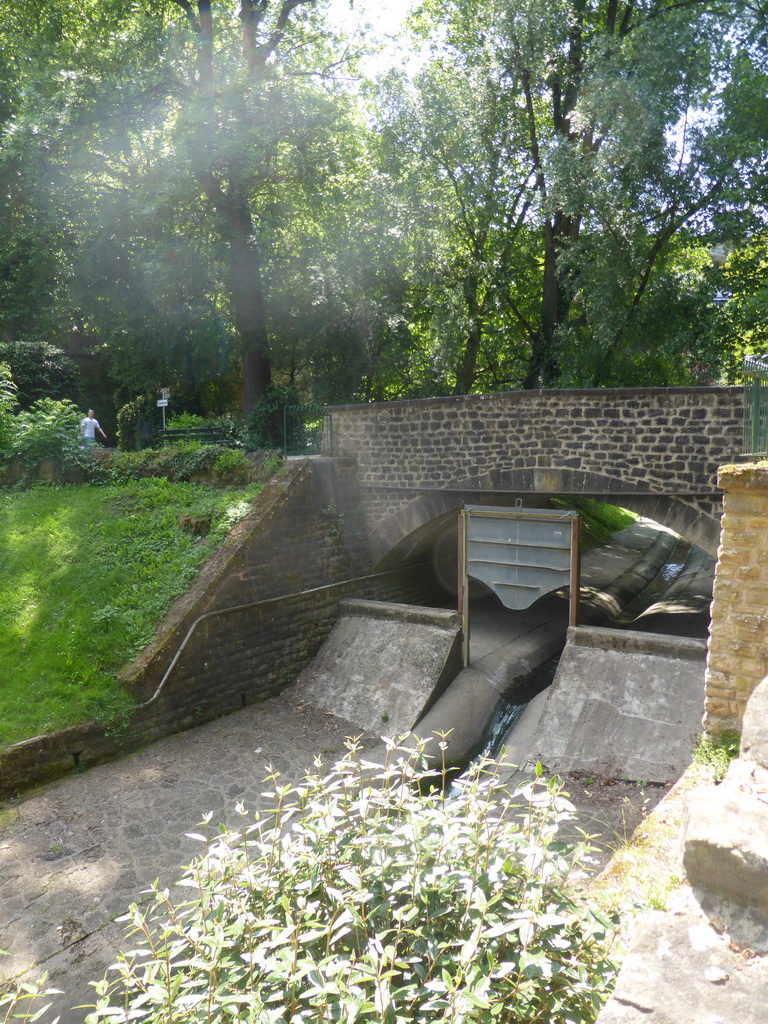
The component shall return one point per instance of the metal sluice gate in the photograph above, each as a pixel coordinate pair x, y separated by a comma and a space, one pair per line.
519, 554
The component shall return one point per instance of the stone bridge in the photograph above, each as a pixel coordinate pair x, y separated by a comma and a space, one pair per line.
653, 450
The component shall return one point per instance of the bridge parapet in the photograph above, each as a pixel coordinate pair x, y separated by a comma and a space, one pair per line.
656, 450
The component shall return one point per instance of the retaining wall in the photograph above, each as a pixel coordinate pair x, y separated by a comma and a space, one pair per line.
258, 612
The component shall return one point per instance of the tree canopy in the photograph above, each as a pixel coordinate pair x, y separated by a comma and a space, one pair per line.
211, 197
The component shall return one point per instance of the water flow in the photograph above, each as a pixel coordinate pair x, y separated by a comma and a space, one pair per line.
655, 589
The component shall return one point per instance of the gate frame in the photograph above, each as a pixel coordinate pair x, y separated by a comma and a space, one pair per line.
517, 512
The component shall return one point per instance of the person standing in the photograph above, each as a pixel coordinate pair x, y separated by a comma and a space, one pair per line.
88, 426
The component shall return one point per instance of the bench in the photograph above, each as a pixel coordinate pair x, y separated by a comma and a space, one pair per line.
205, 435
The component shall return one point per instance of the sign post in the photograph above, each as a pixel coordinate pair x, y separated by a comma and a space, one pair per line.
162, 402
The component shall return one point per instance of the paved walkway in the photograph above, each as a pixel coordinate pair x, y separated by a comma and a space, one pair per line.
75, 854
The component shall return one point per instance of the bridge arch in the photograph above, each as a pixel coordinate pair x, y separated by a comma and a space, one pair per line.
697, 519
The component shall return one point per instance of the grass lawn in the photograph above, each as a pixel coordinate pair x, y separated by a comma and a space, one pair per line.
86, 574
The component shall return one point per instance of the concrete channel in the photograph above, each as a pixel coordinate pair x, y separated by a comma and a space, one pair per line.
77, 852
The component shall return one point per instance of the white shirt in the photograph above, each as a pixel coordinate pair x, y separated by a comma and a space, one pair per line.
88, 426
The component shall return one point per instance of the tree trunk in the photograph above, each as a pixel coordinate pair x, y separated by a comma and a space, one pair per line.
466, 371
544, 365
551, 309
249, 310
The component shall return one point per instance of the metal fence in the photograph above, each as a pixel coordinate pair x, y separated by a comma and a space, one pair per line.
755, 405
303, 429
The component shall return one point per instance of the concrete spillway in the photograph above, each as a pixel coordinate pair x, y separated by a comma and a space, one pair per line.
383, 664
623, 705
391, 669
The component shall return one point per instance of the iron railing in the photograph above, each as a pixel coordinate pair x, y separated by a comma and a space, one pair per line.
303, 429
755, 405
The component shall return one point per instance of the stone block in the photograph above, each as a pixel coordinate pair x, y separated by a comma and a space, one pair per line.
718, 707
716, 725
680, 970
745, 504
754, 737
750, 572
725, 843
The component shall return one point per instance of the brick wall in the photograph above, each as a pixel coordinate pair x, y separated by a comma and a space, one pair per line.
737, 658
657, 449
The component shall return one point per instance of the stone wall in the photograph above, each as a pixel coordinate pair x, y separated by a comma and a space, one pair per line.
738, 645
655, 450
705, 958
306, 531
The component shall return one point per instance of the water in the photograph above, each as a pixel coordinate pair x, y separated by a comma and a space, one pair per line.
655, 589
510, 708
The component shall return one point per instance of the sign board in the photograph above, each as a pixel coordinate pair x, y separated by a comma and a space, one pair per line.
165, 393
161, 403
520, 554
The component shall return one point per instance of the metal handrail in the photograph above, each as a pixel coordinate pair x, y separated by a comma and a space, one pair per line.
244, 607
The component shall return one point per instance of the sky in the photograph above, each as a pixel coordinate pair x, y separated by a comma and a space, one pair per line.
385, 17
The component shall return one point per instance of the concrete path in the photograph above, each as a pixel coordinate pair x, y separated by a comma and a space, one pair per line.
76, 853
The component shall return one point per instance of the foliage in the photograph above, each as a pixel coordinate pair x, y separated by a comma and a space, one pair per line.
358, 898
87, 574
745, 281
598, 520
48, 430
180, 420
136, 418
181, 461
717, 752
265, 424
7, 407
40, 371
533, 205
26, 1002
559, 165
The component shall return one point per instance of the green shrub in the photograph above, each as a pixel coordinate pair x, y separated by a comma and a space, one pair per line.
265, 423
135, 423
49, 430
717, 752
7, 406
183, 420
355, 899
180, 461
229, 460
40, 371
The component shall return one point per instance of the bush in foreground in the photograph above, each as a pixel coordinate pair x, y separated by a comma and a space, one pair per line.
356, 899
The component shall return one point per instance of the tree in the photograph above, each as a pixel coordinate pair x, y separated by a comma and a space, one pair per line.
621, 135
453, 147
235, 126
180, 140
745, 282
39, 371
